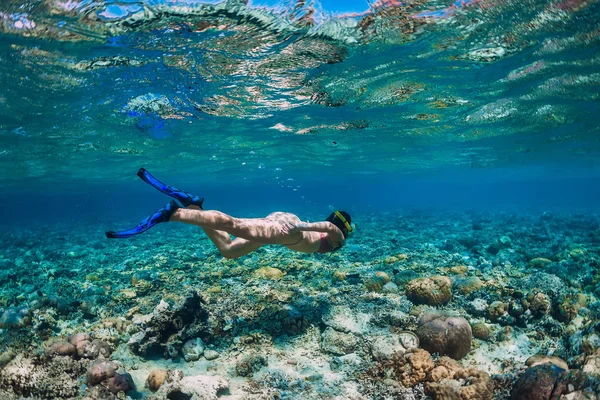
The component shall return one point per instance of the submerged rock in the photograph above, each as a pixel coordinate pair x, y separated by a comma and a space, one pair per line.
6, 357
15, 318
86, 347
250, 364
338, 343
104, 372
120, 383
390, 288
150, 103
344, 319
487, 54
539, 262
466, 285
192, 349
281, 319
211, 354
200, 387
99, 371
107, 62
384, 347
376, 282
539, 359
539, 303
547, 381
592, 365
168, 326
538, 383
409, 369
497, 310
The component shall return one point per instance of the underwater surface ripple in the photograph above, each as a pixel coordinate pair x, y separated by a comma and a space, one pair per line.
212, 86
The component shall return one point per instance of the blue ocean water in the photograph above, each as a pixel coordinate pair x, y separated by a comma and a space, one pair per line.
274, 95
443, 127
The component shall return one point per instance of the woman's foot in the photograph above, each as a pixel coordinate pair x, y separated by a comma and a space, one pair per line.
186, 199
161, 215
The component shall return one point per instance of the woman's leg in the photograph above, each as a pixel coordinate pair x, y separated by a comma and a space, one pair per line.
253, 230
228, 248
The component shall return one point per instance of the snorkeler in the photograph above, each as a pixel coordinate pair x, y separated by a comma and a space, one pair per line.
251, 233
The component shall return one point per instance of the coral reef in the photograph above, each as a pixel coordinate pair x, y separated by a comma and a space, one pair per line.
449, 380
53, 378
409, 368
378, 319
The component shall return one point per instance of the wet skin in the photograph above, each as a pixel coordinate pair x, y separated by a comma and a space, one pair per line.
278, 228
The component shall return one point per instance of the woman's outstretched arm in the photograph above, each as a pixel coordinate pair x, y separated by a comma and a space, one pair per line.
325, 226
336, 234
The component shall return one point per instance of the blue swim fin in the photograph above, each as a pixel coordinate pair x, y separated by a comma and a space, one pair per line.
161, 215
184, 198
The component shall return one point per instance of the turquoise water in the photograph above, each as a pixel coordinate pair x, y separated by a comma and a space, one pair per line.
443, 127
240, 94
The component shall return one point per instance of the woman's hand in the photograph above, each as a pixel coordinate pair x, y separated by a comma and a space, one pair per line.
290, 227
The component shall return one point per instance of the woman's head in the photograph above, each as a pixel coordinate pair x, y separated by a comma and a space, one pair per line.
342, 220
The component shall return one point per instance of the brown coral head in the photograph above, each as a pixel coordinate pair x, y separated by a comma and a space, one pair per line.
538, 383
79, 337
435, 290
156, 379
60, 348
119, 383
99, 371
445, 335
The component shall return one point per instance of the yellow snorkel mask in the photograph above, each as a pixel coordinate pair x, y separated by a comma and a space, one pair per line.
349, 227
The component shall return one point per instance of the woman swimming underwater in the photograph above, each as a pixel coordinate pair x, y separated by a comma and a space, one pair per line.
279, 228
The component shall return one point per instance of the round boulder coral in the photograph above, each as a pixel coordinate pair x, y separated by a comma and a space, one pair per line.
99, 371
104, 372
466, 285
85, 347
446, 335
376, 282
60, 348
119, 383
481, 331
435, 290
156, 379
